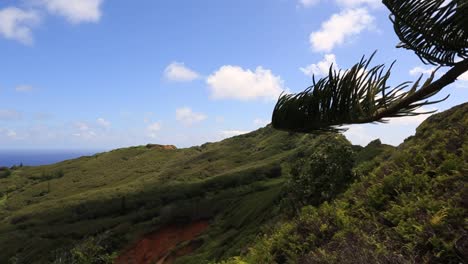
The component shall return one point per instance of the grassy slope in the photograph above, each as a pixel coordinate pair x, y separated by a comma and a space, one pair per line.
408, 208
135, 190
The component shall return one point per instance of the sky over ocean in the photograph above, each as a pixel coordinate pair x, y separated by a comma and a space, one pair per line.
9, 158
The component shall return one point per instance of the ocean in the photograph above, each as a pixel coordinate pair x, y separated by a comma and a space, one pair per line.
9, 158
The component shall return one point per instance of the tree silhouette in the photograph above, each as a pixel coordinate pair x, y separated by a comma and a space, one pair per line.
436, 30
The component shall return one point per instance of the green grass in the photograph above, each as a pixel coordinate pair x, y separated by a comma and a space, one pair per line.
409, 206
136, 190
238, 185
3, 200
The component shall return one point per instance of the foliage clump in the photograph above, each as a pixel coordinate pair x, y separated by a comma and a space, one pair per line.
92, 250
320, 176
4, 172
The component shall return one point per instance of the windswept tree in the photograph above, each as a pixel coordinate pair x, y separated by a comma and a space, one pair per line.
436, 30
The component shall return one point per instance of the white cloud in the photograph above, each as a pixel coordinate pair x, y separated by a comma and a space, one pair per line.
232, 133
177, 71
153, 129
82, 126
357, 3
358, 135
9, 115
261, 122
461, 80
24, 88
75, 11
84, 131
11, 134
340, 27
322, 67
85, 135
103, 123
411, 120
308, 3
393, 132
186, 116
233, 82
421, 70
8, 133
344, 3
16, 24
463, 77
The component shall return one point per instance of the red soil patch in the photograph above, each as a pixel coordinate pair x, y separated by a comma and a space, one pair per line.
157, 247
171, 257
164, 147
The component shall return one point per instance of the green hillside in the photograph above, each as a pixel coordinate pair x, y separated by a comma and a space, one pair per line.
404, 205
129, 192
409, 208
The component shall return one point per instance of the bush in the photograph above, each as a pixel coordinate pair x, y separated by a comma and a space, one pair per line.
4, 172
322, 175
93, 250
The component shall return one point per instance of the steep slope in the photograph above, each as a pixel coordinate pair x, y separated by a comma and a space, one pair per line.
126, 193
410, 208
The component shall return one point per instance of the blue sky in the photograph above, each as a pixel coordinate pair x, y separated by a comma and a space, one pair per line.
101, 74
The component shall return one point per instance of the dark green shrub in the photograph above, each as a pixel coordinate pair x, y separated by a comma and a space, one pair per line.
4, 172
322, 175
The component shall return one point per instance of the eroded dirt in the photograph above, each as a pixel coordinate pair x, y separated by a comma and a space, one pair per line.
159, 247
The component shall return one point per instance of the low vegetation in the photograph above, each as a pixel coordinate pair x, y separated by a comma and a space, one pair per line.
269, 197
235, 184
410, 208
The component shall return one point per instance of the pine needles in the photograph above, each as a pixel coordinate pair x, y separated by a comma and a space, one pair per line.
358, 95
436, 30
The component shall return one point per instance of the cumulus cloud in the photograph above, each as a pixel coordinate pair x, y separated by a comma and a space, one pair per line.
84, 131
356, 3
177, 71
234, 82
412, 120
344, 3
82, 126
461, 80
322, 67
393, 132
340, 27
186, 116
463, 77
421, 70
232, 133
9, 133
261, 122
75, 11
23, 88
16, 24
9, 115
103, 122
153, 129
308, 3
358, 135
